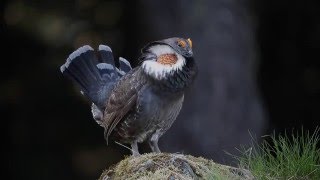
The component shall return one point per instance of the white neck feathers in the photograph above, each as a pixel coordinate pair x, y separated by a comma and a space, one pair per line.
161, 71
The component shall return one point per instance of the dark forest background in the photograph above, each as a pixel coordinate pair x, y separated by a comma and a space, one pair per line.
259, 64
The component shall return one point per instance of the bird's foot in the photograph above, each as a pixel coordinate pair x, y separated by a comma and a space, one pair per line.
134, 149
135, 154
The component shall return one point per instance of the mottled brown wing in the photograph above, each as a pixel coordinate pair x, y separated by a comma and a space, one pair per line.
122, 99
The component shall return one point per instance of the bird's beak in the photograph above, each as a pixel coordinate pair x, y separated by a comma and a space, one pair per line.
190, 53
190, 42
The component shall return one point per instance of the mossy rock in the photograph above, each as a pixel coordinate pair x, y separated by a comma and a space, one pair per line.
160, 166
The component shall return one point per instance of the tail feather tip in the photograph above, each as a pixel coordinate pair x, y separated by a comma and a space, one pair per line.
79, 51
105, 66
62, 68
104, 48
124, 64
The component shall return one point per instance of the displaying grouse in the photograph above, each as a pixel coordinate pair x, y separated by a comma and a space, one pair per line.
139, 104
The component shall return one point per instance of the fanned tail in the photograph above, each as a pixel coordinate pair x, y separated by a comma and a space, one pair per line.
95, 78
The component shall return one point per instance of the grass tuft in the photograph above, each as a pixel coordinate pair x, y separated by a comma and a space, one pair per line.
295, 156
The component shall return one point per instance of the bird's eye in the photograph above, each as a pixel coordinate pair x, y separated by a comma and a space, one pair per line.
182, 43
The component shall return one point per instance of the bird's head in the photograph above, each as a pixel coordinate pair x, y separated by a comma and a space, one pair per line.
163, 58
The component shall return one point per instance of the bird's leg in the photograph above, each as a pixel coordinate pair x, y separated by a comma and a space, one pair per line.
134, 148
153, 143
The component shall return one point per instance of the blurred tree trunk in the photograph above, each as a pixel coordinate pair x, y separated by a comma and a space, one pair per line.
223, 105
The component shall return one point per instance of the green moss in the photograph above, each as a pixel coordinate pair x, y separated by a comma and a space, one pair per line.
171, 166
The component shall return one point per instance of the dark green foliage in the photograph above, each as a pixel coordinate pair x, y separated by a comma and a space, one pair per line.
295, 156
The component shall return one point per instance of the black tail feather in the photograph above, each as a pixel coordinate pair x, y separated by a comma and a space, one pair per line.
124, 65
80, 68
106, 54
105, 68
95, 79
74, 75
91, 61
76, 70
